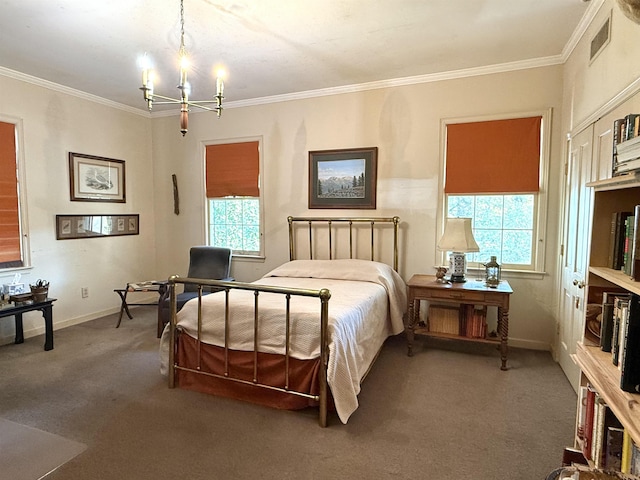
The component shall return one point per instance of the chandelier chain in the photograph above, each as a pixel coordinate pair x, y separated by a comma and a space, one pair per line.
182, 47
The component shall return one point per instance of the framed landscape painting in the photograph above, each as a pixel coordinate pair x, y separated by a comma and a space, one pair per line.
96, 179
343, 178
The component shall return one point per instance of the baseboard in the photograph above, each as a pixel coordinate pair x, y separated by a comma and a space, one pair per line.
529, 344
39, 330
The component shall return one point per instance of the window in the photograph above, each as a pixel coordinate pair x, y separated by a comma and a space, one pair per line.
503, 225
493, 175
13, 235
233, 197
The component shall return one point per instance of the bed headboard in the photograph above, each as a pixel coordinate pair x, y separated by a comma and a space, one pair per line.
325, 230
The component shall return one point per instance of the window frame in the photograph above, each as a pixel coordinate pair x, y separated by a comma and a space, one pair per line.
540, 198
257, 256
22, 196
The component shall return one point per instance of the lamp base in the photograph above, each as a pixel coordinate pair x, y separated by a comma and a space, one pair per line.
457, 267
457, 279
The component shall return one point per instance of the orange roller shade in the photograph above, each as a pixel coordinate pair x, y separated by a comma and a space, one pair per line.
499, 156
233, 170
9, 206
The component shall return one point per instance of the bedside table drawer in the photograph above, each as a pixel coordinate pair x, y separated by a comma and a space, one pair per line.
457, 295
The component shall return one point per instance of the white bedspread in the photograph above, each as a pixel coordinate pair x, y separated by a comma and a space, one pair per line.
367, 303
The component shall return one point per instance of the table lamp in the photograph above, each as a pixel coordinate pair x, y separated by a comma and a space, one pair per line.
458, 239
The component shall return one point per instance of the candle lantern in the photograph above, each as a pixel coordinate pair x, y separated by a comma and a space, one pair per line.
492, 272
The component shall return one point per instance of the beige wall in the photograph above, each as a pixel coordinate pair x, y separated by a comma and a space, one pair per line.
55, 123
405, 124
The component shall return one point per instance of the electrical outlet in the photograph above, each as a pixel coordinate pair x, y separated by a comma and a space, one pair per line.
85, 292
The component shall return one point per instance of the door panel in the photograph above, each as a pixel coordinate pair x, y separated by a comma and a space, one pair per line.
577, 226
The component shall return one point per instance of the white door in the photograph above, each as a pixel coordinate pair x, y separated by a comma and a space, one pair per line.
576, 230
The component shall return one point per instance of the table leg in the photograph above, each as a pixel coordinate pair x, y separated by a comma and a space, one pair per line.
123, 307
19, 330
503, 331
47, 313
414, 312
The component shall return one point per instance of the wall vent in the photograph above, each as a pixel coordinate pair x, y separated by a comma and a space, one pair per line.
601, 39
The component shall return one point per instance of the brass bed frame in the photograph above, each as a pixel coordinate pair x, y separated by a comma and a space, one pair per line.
323, 295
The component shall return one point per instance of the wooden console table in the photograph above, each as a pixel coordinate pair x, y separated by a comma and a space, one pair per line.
45, 307
425, 287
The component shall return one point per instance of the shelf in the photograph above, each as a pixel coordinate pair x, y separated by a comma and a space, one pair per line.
449, 336
616, 277
627, 180
596, 365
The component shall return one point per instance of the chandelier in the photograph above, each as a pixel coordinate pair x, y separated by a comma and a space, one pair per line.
185, 89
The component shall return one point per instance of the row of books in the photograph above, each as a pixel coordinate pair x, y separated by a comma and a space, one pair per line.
465, 320
626, 144
620, 335
624, 243
603, 439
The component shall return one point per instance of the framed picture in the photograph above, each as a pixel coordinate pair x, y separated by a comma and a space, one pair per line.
84, 226
96, 179
343, 178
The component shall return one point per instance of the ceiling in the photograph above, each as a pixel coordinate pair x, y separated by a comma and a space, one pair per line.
276, 47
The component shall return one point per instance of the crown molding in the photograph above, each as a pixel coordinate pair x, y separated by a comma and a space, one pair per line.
6, 72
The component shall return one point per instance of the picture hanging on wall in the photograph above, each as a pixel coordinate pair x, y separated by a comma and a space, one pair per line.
96, 179
343, 178
83, 226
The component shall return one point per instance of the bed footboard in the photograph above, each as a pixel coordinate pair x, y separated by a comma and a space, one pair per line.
323, 296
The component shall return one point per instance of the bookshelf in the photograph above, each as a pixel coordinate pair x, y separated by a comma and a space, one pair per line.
598, 371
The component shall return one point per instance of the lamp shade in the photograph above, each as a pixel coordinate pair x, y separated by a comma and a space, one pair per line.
458, 236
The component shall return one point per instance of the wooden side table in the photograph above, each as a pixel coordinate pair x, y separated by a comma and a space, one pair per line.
425, 287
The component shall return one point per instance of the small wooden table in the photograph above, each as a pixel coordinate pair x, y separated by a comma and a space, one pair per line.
425, 287
46, 307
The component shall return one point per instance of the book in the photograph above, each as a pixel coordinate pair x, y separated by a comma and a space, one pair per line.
615, 337
634, 467
630, 364
582, 411
629, 123
623, 312
444, 319
588, 422
628, 233
606, 330
616, 140
613, 449
616, 239
629, 165
627, 452
628, 236
571, 456
474, 321
634, 248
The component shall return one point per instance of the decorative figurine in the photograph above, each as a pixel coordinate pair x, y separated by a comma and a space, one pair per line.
440, 273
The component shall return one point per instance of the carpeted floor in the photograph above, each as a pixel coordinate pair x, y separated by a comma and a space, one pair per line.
449, 412
27, 453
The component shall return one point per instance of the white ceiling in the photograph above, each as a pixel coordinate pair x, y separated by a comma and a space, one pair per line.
275, 47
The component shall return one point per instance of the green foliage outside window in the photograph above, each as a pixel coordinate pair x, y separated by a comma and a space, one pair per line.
234, 222
503, 225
